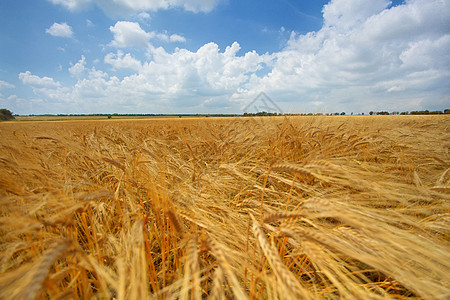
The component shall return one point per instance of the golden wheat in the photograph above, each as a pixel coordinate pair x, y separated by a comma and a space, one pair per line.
350, 207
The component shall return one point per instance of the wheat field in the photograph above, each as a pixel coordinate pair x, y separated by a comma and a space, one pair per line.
344, 207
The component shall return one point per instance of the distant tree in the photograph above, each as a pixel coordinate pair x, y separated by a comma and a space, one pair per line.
6, 115
420, 112
343, 113
446, 111
371, 113
109, 116
382, 113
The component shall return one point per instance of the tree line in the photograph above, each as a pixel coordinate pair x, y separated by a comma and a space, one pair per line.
5, 114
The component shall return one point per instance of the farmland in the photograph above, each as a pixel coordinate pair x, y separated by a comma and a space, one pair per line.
274, 207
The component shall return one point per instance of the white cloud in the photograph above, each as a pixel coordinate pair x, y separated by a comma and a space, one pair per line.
50, 96
143, 16
122, 7
180, 75
177, 38
207, 71
6, 85
10, 102
416, 19
345, 14
60, 30
129, 34
121, 61
196, 5
422, 54
36, 81
78, 69
72, 4
395, 88
174, 38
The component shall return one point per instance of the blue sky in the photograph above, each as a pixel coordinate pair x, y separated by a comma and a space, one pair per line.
216, 56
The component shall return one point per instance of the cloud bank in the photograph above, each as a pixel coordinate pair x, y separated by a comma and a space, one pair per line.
367, 56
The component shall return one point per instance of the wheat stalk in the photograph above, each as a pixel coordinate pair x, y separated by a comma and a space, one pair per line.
217, 251
290, 284
353, 207
27, 281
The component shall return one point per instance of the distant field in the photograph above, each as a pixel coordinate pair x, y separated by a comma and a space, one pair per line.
274, 207
86, 118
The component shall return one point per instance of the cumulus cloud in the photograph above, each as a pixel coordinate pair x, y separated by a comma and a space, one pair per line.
208, 71
6, 85
174, 38
50, 95
121, 7
345, 15
121, 61
60, 30
129, 34
73, 4
177, 38
196, 5
78, 69
36, 81
143, 16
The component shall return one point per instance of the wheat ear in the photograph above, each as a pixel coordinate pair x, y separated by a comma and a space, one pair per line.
283, 215
289, 282
26, 282
192, 270
217, 285
226, 269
